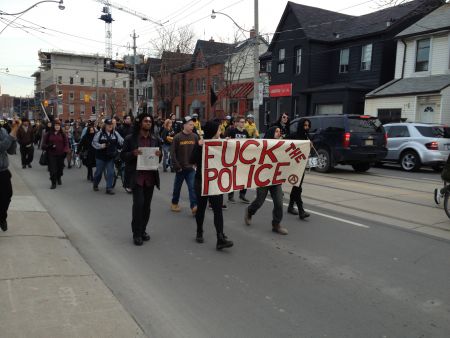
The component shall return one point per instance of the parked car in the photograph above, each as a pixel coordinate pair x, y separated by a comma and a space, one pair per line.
418, 144
358, 140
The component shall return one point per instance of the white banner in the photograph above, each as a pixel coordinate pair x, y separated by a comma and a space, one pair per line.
230, 165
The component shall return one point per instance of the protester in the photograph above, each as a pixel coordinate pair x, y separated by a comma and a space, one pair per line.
68, 132
251, 127
296, 192
127, 127
283, 123
276, 193
142, 182
181, 152
167, 136
197, 125
87, 152
25, 138
239, 132
106, 142
211, 131
38, 127
176, 125
56, 144
226, 122
7, 146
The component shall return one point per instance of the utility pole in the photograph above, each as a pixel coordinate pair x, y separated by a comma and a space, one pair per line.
134, 74
96, 91
256, 68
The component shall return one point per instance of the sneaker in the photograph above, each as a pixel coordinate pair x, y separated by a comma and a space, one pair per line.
129, 190
279, 230
303, 214
3, 225
292, 211
29, 166
231, 200
175, 208
244, 199
95, 188
24, 167
145, 237
437, 196
247, 217
138, 241
110, 192
194, 211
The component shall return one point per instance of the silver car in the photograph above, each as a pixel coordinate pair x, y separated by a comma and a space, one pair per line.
417, 144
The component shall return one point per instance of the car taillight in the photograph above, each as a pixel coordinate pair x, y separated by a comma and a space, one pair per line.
385, 138
432, 146
346, 141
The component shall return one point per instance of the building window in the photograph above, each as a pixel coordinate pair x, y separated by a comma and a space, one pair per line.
422, 55
298, 61
103, 82
92, 82
71, 109
343, 61
150, 93
71, 96
71, 80
281, 68
82, 96
215, 83
191, 87
366, 57
281, 54
269, 66
82, 109
81, 80
198, 86
203, 85
59, 79
94, 96
124, 83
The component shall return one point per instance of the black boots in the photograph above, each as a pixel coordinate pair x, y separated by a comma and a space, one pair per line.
223, 242
303, 214
53, 186
199, 237
291, 209
58, 180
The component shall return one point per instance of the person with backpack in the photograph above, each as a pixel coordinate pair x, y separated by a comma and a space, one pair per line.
107, 142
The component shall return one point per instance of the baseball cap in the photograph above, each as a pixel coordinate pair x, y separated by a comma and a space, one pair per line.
186, 119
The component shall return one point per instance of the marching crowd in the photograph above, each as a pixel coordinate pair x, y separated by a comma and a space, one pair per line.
106, 142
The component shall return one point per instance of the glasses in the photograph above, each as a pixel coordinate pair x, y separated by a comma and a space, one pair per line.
284, 117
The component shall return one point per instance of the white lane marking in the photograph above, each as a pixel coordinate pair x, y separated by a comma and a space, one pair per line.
331, 217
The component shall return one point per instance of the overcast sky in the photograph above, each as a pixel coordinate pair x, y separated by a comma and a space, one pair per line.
19, 47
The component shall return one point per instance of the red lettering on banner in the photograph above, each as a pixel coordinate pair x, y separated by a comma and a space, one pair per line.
269, 152
207, 178
207, 155
242, 159
258, 182
235, 186
277, 173
236, 154
250, 176
220, 180
295, 152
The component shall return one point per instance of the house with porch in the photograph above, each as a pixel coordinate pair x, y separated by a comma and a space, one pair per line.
420, 91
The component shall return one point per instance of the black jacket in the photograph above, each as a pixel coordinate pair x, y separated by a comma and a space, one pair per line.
86, 146
131, 143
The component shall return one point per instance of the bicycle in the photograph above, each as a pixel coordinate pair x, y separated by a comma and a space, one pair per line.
76, 159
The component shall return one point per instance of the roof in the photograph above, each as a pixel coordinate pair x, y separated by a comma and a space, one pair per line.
338, 86
412, 85
323, 25
154, 65
436, 20
214, 52
175, 60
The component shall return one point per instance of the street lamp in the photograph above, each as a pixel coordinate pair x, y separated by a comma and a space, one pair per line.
255, 58
60, 6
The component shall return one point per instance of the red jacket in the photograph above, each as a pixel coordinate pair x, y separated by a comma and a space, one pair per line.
56, 144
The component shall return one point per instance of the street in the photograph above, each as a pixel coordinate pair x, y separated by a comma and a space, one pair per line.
334, 275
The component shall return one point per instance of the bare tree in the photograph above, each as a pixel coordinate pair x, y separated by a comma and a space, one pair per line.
173, 39
390, 3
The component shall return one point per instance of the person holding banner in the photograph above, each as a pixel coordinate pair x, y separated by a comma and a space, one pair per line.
182, 147
283, 123
276, 192
142, 182
296, 192
211, 131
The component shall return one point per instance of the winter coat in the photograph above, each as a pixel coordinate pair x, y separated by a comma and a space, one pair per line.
56, 144
86, 147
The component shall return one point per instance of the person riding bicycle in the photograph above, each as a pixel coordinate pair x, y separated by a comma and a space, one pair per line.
445, 175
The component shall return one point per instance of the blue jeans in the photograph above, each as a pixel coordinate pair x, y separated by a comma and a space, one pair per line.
166, 153
100, 166
187, 175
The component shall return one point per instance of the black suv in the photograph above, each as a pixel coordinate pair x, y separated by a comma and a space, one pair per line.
357, 140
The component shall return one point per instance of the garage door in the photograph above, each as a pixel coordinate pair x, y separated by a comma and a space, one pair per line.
329, 109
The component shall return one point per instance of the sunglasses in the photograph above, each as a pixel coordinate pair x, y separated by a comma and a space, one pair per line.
284, 117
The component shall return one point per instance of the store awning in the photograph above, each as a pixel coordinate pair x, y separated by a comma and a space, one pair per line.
236, 91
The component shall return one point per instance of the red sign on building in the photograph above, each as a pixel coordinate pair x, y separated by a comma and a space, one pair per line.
280, 90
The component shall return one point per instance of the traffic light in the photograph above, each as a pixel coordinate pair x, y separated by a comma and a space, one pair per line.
45, 103
87, 98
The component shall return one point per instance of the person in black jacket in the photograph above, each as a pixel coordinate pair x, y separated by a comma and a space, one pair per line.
283, 123
142, 182
296, 192
211, 131
88, 151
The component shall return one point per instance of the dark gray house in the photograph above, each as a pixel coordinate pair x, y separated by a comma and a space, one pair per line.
323, 62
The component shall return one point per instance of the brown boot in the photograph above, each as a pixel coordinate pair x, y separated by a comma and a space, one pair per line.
279, 230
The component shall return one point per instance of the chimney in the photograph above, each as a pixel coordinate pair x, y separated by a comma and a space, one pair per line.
211, 40
252, 33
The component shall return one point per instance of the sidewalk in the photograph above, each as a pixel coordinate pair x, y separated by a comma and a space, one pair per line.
46, 287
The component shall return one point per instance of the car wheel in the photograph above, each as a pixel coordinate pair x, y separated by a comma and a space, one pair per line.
361, 167
324, 161
410, 161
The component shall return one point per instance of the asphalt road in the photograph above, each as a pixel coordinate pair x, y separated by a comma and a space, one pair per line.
327, 278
